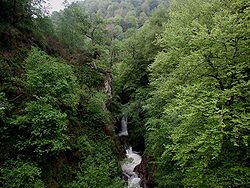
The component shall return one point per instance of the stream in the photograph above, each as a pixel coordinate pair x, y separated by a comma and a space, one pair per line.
132, 158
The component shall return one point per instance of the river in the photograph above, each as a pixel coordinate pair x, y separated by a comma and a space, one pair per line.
132, 158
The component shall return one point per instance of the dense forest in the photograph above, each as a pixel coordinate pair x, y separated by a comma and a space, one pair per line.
179, 71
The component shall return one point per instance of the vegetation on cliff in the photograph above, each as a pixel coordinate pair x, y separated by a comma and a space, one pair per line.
180, 74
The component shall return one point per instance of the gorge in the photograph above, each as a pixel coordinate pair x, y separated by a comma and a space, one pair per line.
134, 93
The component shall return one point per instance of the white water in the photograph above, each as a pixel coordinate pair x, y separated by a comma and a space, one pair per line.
124, 131
131, 161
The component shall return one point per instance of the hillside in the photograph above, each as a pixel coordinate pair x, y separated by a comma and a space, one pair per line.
163, 82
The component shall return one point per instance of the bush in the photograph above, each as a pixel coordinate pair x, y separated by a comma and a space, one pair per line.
51, 79
97, 115
98, 167
20, 174
42, 128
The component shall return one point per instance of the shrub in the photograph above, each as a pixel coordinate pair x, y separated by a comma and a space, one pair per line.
51, 79
42, 128
20, 174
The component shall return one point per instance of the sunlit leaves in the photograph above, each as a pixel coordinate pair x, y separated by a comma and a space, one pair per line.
44, 128
97, 115
48, 78
43, 124
201, 98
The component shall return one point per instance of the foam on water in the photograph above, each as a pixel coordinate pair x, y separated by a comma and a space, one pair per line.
131, 161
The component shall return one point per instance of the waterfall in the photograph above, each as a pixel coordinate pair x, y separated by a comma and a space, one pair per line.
132, 159
124, 131
108, 89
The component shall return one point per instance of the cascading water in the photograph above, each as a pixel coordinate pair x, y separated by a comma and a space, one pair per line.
132, 159
124, 131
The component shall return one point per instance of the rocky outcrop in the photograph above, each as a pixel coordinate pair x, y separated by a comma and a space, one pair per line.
141, 170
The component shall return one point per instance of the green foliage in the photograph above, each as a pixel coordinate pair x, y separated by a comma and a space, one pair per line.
4, 106
139, 50
97, 115
50, 79
95, 171
136, 115
198, 109
5, 109
44, 128
51, 130
42, 125
90, 77
126, 14
131, 75
5, 70
43, 30
18, 174
79, 30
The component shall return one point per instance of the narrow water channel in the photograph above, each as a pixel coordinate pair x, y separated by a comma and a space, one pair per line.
132, 158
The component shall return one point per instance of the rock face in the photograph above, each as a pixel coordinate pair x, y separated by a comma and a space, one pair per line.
141, 170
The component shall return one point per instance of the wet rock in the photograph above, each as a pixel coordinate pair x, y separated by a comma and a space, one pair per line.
141, 170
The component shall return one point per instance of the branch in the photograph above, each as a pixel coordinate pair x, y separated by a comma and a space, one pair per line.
11, 100
216, 76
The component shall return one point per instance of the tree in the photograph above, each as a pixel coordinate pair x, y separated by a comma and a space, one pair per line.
51, 80
94, 157
199, 104
16, 11
53, 88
